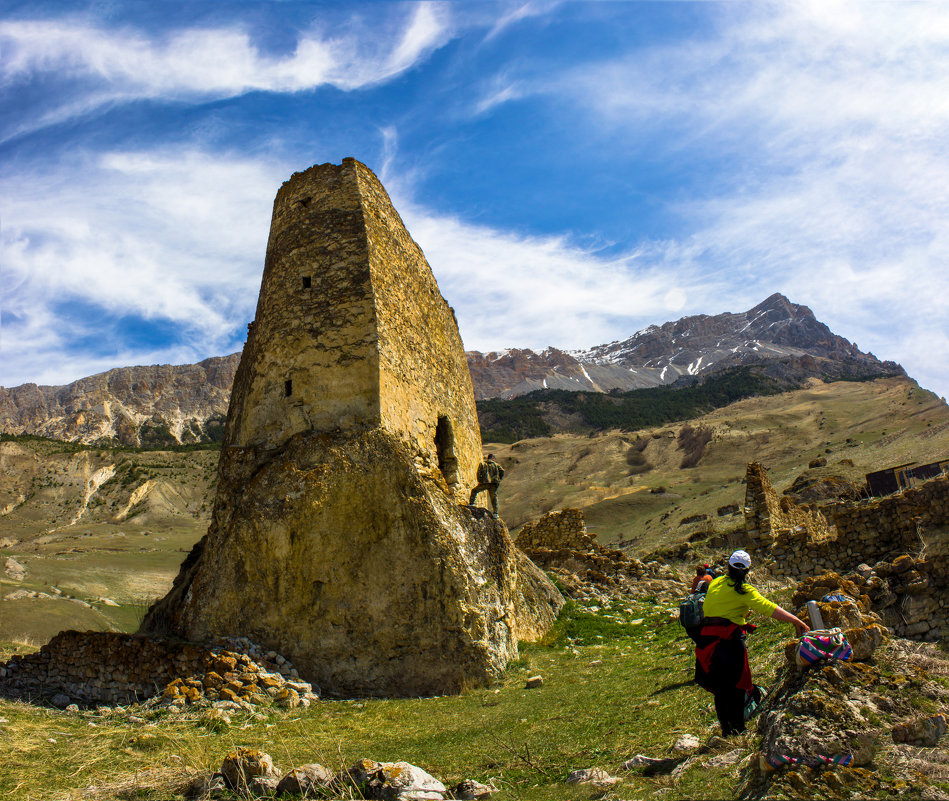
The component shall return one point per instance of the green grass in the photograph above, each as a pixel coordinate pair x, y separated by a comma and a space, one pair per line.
612, 688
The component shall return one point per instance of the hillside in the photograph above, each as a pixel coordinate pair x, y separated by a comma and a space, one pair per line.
636, 487
164, 405
95, 523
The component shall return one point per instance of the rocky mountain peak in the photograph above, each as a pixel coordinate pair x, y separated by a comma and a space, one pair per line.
149, 405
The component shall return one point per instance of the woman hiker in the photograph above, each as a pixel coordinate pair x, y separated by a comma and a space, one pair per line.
721, 659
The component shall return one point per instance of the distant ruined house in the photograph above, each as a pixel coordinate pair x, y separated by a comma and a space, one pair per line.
904, 476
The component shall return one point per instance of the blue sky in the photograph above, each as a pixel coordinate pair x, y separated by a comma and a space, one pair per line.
573, 171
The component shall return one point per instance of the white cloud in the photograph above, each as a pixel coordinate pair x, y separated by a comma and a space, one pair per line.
109, 65
515, 290
828, 122
174, 238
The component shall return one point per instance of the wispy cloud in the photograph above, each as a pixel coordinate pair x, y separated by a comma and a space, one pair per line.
828, 122
526, 291
172, 239
104, 65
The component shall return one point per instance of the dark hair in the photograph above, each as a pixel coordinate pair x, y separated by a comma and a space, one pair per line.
701, 570
737, 576
490, 455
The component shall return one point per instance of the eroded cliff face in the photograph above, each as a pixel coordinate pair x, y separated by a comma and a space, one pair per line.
361, 569
158, 405
339, 536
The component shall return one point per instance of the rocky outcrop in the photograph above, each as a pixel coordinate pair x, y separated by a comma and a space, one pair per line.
338, 536
158, 405
561, 545
827, 729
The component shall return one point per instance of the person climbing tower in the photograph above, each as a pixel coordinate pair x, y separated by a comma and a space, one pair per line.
490, 474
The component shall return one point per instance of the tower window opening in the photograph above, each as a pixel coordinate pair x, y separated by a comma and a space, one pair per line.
445, 449
307, 282
287, 388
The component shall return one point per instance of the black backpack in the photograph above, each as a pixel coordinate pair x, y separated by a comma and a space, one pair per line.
690, 613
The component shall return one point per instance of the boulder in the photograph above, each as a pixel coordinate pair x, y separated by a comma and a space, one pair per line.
865, 640
470, 790
310, 781
242, 767
922, 731
391, 781
595, 776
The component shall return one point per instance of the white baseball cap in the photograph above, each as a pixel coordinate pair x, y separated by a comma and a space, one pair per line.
740, 559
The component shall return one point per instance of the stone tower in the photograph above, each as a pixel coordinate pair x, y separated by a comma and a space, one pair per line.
351, 330
338, 537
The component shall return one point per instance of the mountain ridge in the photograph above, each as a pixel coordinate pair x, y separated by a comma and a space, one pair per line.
171, 404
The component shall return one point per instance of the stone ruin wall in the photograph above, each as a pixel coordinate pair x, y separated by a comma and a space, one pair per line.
93, 667
563, 529
904, 537
895, 524
771, 520
314, 319
426, 393
350, 315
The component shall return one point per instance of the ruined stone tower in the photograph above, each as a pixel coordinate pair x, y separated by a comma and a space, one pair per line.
337, 536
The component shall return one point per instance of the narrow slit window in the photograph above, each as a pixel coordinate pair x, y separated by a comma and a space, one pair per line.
288, 388
307, 282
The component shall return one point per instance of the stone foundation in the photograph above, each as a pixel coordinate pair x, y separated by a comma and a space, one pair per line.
91, 667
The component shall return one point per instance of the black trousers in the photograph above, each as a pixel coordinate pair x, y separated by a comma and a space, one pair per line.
727, 665
730, 708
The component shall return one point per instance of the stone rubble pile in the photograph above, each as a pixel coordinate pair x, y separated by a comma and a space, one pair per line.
252, 772
560, 544
862, 711
92, 668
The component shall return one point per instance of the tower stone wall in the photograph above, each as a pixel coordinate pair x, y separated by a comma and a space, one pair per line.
351, 330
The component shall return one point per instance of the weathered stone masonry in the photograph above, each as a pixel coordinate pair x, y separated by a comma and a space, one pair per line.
903, 541
93, 667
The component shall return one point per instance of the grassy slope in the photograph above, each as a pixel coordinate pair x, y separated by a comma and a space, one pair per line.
134, 560
634, 701
611, 690
873, 424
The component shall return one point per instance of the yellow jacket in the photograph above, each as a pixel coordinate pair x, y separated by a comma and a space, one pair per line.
721, 600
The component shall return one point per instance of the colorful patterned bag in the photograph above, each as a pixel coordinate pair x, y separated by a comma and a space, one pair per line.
817, 645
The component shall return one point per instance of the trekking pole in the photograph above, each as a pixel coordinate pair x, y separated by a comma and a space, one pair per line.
813, 611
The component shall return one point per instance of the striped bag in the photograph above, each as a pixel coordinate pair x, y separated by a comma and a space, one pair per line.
817, 645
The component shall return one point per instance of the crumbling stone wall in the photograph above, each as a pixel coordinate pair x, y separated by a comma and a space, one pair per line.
904, 537
770, 519
92, 667
560, 544
879, 528
563, 529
